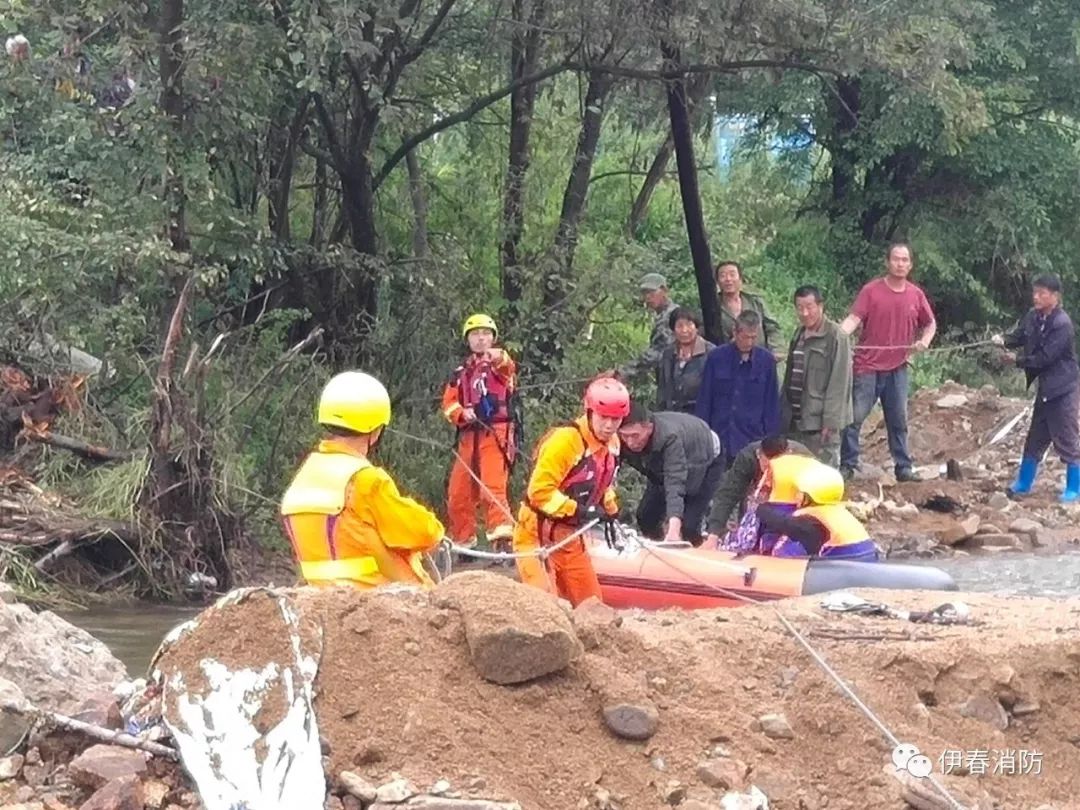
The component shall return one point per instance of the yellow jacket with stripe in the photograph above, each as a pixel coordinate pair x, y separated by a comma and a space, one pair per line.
348, 522
572, 467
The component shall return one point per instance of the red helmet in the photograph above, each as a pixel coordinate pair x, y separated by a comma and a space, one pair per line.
607, 397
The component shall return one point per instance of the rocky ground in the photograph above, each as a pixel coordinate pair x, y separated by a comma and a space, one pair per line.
977, 435
485, 695
49, 666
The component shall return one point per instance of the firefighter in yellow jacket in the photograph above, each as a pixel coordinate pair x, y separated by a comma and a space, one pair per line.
477, 401
345, 517
572, 483
822, 526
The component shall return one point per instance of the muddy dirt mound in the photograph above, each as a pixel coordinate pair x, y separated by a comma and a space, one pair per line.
949, 422
718, 699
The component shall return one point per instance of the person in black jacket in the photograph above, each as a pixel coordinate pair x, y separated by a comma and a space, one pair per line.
742, 478
1046, 344
678, 374
681, 460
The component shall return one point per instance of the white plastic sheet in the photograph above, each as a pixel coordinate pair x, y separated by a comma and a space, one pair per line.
215, 725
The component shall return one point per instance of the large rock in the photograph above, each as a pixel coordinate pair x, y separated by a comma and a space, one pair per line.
54, 663
776, 727
995, 541
125, 793
592, 619
958, 530
101, 764
13, 725
987, 709
637, 720
10, 767
1026, 527
516, 633
627, 710
723, 773
356, 785
950, 401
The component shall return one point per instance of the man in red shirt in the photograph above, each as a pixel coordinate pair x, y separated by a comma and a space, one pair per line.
890, 311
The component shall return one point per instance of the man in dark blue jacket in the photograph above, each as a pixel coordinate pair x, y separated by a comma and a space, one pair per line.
739, 396
1045, 340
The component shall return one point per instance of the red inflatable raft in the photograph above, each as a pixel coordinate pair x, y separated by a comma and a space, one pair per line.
651, 575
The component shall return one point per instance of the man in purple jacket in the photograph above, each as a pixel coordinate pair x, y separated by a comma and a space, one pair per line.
739, 396
1045, 340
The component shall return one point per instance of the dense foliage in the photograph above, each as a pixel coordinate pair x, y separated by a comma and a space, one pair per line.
379, 171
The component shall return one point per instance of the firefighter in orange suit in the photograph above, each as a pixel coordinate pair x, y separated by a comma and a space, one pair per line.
572, 483
477, 401
347, 522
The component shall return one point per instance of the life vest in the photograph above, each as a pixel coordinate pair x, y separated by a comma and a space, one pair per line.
310, 508
479, 387
784, 471
842, 527
590, 478
587, 480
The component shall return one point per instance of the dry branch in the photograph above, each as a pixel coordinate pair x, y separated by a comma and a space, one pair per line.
275, 369
94, 452
89, 729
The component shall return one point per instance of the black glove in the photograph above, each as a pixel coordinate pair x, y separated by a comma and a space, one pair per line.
589, 514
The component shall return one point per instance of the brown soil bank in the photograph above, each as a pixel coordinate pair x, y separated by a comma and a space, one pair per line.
400, 690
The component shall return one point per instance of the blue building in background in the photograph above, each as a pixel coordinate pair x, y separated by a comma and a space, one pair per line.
731, 134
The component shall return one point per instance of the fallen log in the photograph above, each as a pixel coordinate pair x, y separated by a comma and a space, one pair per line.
106, 735
89, 451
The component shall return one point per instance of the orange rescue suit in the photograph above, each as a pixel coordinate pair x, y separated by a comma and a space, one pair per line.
572, 470
349, 524
486, 447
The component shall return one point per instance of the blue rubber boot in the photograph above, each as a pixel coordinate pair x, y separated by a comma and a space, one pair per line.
1025, 477
1072, 484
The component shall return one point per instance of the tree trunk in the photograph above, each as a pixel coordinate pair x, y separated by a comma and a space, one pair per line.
656, 173
179, 488
171, 74
547, 349
844, 108
573, 203
283, 143
698, 88
524, 50
317, 239
683, 139
421, 249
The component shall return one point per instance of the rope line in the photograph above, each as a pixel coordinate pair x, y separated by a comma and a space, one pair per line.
468, 468
816, 656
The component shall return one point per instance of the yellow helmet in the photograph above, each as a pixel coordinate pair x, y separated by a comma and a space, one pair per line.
823, 484
479, 321
355, 401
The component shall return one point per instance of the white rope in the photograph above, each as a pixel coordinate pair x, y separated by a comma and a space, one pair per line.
818, 658
958, 348
541, 552
468, 468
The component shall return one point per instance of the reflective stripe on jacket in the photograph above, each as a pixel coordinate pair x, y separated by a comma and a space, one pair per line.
347, 521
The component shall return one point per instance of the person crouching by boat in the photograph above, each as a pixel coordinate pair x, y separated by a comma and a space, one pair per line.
346, 520
680, 457
780, 487
572, 484
822, 526
746, 484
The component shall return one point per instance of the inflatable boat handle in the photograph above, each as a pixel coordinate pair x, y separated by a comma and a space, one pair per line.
749, 576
